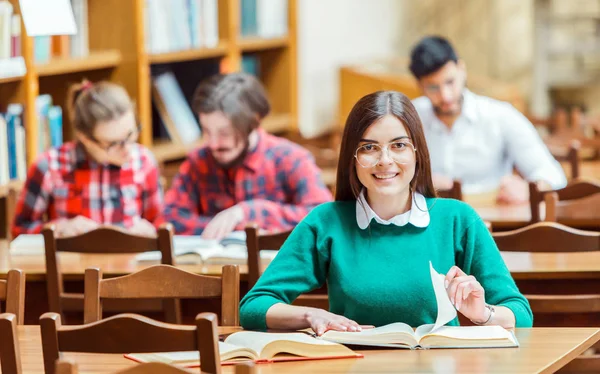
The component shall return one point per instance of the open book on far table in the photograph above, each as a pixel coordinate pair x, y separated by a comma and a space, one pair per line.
193, 249
436, 335
259, 347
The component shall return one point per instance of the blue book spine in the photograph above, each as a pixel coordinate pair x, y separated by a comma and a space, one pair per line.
14, 116
193, 12
250, 64
55, 124
249, 22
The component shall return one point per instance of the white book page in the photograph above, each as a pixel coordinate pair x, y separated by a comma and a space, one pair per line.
368, 334
27, 245
257, 341
446, 311
48, 17
475, 332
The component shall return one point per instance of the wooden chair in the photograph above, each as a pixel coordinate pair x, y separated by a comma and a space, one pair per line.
163, 282
555, 237
455, 192
10, 357
12, 292
67, 367
576, 190
256, 242
107, 241
583, 212
131, 333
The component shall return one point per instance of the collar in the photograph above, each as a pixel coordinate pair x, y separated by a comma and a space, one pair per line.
255, 157
418, 215
469, 107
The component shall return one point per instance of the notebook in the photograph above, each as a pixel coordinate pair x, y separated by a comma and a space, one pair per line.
401, 335
260, 347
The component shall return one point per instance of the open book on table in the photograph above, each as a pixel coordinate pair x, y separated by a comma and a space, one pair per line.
426, 336
27, 245
193, 249
258, 347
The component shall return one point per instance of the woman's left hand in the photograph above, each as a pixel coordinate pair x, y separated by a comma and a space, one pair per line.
466, 294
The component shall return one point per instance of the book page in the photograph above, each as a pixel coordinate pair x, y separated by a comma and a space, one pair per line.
192, 358
259, 341
470, 337
27, 245
389, 334
446, 311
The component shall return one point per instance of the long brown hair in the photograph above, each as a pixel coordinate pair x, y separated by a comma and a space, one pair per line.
367, 111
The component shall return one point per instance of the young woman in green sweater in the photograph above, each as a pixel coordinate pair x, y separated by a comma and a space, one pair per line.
373, 245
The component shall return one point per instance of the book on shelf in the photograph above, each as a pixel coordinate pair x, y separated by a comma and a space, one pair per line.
15, 132
264, 18
181, 25
173, 109
260, 347
4, 160
437, 335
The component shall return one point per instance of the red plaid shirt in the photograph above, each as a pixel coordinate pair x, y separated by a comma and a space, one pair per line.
277, 184
65, 183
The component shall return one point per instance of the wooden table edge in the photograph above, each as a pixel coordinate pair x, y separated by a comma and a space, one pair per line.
571, 355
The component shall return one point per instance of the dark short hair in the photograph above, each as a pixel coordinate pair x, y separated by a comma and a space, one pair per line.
240, 96
430, 54
368, 110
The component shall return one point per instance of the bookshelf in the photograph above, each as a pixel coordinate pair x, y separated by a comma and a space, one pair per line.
117, 44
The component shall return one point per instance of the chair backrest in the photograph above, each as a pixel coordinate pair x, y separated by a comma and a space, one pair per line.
131, 333
547, 237
10, 357
12, 292
576, 189
583, 212
455, 192
68, 367
255, 242
553, 237
163, 282
104, 240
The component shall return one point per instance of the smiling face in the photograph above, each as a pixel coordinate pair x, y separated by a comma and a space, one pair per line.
388, 145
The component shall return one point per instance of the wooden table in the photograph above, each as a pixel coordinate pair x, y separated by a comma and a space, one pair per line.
543, 350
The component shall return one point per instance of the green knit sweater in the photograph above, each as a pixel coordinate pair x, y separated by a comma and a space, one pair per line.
380, 275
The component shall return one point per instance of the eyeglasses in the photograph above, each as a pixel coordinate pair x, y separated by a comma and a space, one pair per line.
401, 152
119, 144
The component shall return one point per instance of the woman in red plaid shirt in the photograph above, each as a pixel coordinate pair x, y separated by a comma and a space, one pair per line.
242, 174
102, 178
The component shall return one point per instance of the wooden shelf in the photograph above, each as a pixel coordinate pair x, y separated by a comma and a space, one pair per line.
15, 184
278, 123
96, 60
261, 44
169, 151
189, 55
11, 79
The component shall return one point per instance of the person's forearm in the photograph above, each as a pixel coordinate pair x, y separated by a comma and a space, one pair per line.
284, 316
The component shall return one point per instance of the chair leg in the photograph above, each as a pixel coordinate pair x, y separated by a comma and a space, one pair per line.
172, 308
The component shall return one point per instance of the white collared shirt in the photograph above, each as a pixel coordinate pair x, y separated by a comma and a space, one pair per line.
484, 143
418, 215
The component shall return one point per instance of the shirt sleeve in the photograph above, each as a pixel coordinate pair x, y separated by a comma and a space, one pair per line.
182, 203
33, 201
479, 256
299, 267
152, 197
529, 153
305, 190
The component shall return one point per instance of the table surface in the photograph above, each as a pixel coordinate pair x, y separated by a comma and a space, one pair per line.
542, 350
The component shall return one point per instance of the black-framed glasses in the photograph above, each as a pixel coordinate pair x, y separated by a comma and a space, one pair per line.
119, 144
400, 151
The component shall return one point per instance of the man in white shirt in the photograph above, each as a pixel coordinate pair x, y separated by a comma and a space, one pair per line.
475, 139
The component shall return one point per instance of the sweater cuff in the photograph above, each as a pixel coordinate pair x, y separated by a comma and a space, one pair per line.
253, 315
523, 316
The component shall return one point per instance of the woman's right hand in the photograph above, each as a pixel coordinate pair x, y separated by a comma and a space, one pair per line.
321, 320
